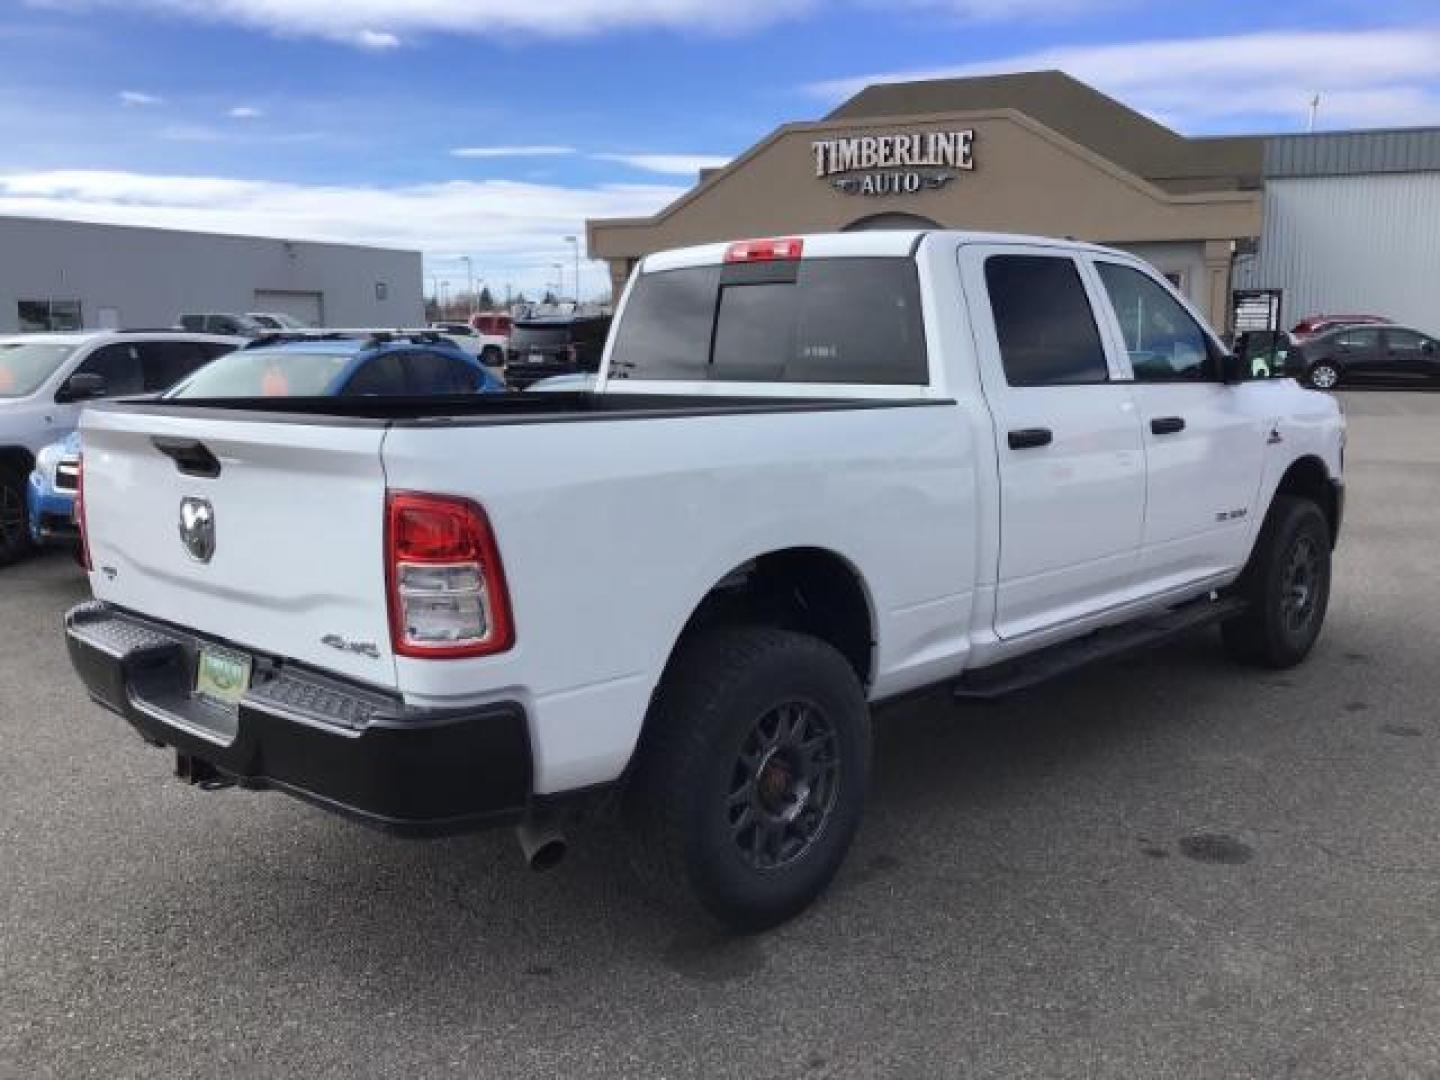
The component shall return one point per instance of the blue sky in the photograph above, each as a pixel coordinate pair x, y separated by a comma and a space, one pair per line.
342, 120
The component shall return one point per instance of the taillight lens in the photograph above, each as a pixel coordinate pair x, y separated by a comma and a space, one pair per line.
765, 250
447, 588
84, 552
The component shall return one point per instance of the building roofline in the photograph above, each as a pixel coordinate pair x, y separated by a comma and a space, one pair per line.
51, 219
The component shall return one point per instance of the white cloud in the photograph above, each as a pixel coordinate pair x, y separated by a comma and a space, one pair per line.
1364, 77
513, 230
245, 112
381, 24
669, 164
138, 100
375, 40
1007, 10
510, 151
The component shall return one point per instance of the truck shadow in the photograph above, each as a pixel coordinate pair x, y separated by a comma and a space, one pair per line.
962, 797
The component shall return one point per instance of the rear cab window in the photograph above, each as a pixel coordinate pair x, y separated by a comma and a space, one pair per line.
840, 320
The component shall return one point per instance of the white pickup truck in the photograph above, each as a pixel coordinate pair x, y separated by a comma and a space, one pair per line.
815, 473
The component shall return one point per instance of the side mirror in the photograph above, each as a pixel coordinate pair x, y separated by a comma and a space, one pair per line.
1233, 369
82, 387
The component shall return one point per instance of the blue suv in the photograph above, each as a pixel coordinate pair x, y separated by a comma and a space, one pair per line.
341, 365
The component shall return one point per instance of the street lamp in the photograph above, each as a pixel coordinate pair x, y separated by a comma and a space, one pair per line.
470, 280
575, 242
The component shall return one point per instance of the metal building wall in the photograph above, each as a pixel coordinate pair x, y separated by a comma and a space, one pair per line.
1356, 244
150, 276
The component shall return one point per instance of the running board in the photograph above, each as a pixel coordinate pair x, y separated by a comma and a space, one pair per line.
988, 683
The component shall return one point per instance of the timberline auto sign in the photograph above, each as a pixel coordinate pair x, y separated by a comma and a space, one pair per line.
894, 164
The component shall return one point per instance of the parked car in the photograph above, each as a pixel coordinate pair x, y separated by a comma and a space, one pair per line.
1375, 355
219, 322
336, 365
276, 320
1320, 324
492, 323
45, 378
50, 495
554, 345
838, 469
488, 347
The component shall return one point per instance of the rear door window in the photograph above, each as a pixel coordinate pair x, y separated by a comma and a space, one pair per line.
120, 366
1043, 320
384, 376
844, 321
431, 373
167, 362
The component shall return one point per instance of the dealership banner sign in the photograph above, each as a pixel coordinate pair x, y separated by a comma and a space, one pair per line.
898, 164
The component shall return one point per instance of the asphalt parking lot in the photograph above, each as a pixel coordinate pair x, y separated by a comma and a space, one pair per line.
1166, 867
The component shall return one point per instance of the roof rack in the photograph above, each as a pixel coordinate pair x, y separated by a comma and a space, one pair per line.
369, 337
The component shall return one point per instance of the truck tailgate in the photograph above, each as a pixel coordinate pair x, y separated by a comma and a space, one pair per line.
297, 568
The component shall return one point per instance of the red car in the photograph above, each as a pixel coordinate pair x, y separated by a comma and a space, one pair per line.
1312, 325
496, 323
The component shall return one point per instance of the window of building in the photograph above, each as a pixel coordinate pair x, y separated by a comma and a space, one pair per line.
1165, 344
41, 315
1046, 330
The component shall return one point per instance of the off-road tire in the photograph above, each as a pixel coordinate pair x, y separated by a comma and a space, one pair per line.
1287, 601
680, 806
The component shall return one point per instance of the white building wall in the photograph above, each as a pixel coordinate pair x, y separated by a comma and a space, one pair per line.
1365, 244
148, 277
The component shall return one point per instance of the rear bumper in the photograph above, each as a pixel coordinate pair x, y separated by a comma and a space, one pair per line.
343, 747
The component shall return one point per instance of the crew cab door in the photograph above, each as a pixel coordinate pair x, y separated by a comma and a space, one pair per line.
1204, 440
1067, 438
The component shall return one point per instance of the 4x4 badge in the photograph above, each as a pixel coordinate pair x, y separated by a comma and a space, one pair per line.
197, 529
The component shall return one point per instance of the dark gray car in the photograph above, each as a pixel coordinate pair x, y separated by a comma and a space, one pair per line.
1375, 355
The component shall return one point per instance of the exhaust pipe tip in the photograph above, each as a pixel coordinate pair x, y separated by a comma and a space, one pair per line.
542, 845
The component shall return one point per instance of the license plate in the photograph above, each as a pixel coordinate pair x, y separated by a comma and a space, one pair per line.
536, 358
222, 677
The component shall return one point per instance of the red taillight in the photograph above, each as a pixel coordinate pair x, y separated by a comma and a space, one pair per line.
447, 588
84, 553
765, 250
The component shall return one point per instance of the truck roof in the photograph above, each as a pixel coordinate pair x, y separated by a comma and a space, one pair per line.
880, 243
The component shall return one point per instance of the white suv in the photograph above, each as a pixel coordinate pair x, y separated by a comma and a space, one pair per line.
45, 378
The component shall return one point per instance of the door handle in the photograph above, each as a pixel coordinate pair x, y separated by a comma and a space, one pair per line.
1167, 425
1029, 438
191, 457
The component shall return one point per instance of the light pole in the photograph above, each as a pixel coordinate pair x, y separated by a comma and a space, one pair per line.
470, 280
574, 241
